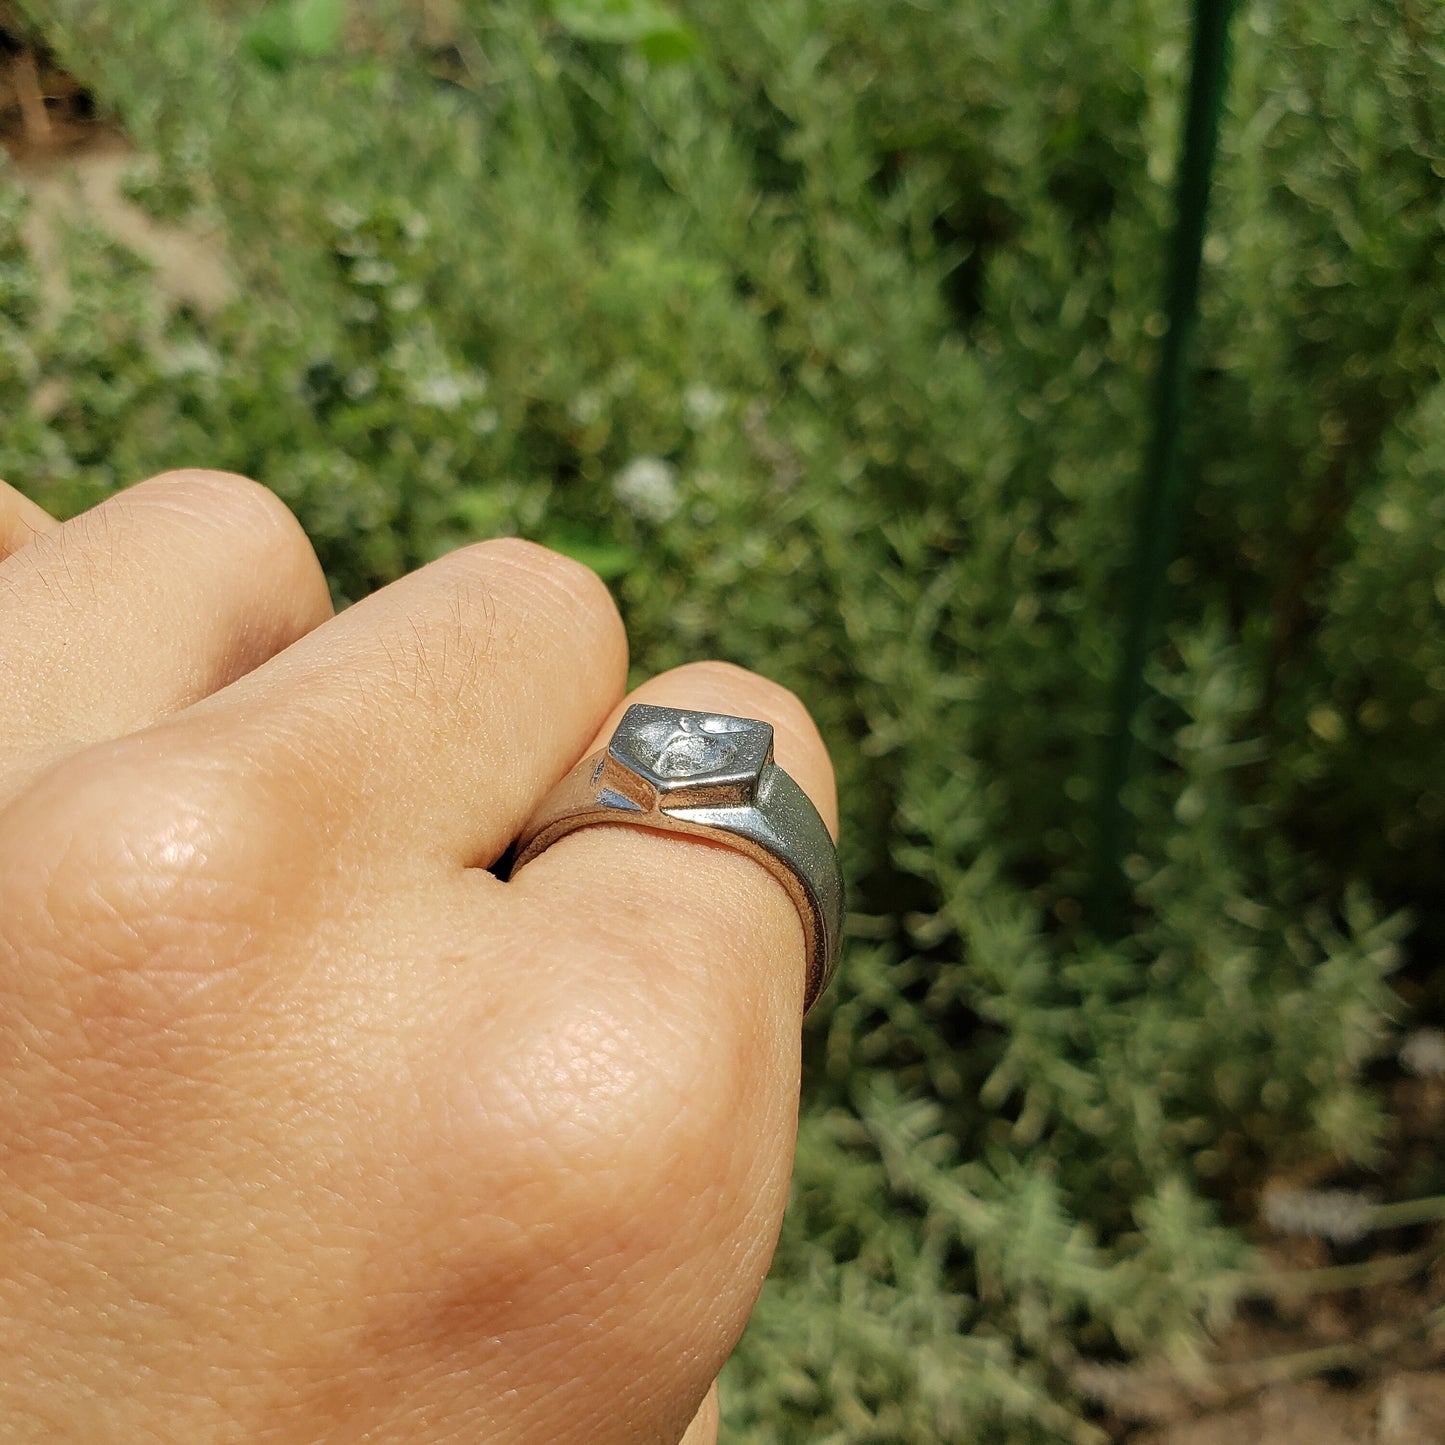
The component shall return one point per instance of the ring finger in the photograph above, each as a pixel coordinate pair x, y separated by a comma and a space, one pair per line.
646, 1017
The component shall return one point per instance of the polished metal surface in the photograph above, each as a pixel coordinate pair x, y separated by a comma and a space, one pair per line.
712, 776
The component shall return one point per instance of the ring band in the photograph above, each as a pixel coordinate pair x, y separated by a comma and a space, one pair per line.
711, 776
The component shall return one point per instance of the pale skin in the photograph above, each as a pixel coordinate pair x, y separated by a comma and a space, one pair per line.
310, 1128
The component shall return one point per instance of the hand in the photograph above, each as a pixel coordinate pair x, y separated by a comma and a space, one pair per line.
310, 1128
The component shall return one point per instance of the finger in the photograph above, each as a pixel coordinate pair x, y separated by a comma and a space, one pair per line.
708, 686
423, 723
159, 596
721, 687
661, 1002
21, 521
704, 1427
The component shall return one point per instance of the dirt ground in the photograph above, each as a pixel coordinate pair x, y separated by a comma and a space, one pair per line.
1406, 1409
1360, 1361
72, 161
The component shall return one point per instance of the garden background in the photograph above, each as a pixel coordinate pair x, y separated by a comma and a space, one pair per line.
824, 330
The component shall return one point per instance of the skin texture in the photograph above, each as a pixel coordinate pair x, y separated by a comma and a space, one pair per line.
310, 1128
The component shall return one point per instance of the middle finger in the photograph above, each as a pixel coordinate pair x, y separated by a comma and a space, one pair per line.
425, 722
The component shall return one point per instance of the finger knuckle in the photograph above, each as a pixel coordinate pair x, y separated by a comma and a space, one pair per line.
243, 512
138, 867
215, 489
499, 601
564, 580
626, 1111
440, 643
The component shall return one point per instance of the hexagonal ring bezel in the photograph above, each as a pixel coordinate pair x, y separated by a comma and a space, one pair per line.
671, 758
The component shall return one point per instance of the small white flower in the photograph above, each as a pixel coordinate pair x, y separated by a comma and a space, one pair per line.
1340, 1215
372, 271
1423, 1054
344, 217
647, 487
442, 387
701, 405
190, 358
357, 243
361, 383
585, 407
440, 390
406, 355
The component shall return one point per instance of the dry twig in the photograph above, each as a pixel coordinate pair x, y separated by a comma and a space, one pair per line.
25, 80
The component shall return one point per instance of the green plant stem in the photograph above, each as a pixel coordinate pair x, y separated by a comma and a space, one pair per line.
1162, 485
1407, 1212
1273, 1284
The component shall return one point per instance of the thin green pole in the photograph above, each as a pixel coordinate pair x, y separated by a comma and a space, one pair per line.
1162, 483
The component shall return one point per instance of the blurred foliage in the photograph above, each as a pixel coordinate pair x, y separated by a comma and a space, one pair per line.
656, 32
295, 30
827, 340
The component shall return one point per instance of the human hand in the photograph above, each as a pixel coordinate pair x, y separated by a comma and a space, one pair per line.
310, 1128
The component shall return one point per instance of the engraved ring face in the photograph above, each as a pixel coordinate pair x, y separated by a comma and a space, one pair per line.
692, 756
708, 775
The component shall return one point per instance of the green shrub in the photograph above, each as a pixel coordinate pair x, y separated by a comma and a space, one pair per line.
827, 342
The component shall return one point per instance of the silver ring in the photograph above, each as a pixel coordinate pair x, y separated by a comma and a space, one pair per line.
712, 776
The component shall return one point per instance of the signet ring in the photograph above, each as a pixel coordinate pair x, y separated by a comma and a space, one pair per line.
708, 775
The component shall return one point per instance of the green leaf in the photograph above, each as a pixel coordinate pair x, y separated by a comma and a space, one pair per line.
650, 26
318, 25
608, 559
669, 47
270, 38
293, 30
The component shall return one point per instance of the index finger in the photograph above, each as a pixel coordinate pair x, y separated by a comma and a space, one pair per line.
21, 521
